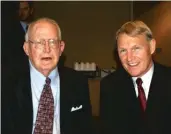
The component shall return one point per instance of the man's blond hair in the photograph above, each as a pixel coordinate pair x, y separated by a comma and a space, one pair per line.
134, 28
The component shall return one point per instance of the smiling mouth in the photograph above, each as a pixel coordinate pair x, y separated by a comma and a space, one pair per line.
133, 64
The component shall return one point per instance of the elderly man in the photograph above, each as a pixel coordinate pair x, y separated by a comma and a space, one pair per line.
136, 99
49, 99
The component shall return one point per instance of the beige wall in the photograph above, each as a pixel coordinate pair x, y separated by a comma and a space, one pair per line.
88, 28
159, 20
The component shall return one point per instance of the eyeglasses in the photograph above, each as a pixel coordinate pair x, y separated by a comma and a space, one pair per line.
53, 43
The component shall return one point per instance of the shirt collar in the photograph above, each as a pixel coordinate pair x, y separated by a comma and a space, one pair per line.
146, 78
24, 25
40, 78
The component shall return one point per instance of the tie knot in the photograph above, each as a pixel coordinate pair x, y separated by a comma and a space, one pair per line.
48, 80
139, 81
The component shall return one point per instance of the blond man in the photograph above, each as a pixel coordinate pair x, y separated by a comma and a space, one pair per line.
136, 99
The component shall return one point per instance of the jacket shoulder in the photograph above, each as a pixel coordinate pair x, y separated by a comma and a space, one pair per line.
115, 76
70, 71
164, 70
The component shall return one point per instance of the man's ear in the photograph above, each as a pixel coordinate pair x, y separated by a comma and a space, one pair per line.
152, 46
26, 48
62, 47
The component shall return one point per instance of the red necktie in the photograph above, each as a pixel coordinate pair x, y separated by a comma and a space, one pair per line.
45, 115
141, 94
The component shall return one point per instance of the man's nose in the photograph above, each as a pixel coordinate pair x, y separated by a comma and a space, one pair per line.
130, 56
46, 47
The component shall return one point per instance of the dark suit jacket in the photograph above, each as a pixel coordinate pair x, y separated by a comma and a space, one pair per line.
120, 110
13, 59
73, 93
12, 42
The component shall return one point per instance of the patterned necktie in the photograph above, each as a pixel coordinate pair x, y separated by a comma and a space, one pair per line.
141, 94
45, 115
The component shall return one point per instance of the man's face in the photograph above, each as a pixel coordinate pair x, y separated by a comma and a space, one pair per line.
46, 57
24, 11
135, 53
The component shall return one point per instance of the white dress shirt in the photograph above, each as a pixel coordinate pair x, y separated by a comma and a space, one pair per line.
146, 78
37, 84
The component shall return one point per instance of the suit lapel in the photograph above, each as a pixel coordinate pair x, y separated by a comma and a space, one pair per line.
129, 86
129, 94
64, 103
154, 91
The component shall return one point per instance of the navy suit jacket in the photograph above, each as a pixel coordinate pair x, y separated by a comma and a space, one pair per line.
73, 93
120, 111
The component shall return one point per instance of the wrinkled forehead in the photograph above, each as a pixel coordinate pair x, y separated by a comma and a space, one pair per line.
127, 40
44, 30
125, 36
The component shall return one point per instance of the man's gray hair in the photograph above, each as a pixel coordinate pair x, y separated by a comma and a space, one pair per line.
32, 24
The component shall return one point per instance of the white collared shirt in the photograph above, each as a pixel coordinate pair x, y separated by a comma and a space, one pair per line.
37, 84
146, 78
